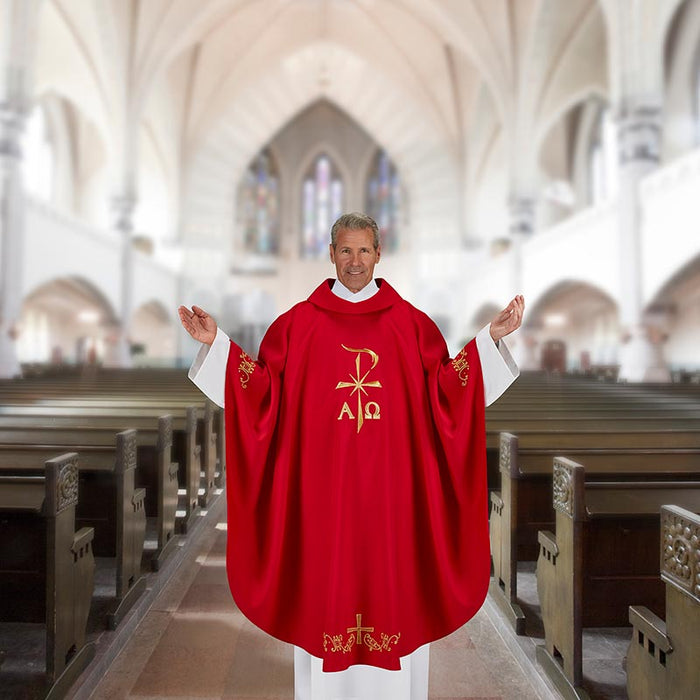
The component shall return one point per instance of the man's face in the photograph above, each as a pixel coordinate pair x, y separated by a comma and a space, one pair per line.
354, 257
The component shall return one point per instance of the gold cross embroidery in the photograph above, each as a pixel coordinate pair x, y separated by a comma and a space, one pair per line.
359, 629
358, 382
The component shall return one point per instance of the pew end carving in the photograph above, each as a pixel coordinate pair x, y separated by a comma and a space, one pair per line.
662, 657
42, 550
559, 581
503, 533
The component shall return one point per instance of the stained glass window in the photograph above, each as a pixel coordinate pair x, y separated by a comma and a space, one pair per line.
322, 204
384, 199
259, 205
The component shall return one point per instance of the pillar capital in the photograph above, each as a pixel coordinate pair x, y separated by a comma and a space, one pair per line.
123, 207
11, 127
521, 215
639, 135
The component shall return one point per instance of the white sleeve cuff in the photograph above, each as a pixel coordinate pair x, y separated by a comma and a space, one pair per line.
208, 371
497, 365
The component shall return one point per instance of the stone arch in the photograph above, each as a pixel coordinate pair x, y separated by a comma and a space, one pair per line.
582, 316
222, 154
68, 66
574, 122
65, 320
153, 334
682, 70
82, 156
674, 316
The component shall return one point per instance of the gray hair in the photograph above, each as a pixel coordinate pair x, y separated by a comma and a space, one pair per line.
355, 221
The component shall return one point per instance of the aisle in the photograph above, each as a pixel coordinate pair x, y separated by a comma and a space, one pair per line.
194, 643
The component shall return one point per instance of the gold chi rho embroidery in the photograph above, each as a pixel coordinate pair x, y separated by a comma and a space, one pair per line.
245, 369
359, 384
461, 366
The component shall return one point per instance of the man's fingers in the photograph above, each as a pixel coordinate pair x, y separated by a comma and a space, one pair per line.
200, 312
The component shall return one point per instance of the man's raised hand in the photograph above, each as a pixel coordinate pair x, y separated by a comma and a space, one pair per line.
198, 323
508, 320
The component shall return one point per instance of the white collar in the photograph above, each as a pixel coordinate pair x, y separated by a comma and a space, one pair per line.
369, 290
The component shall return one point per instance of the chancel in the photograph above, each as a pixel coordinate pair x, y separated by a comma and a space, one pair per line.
197, 153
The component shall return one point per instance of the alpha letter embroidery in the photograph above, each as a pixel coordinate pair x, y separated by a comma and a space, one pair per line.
461, 366
359, 385
246, 369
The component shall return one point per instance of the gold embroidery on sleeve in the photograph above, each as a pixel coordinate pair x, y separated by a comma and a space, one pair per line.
246, 369
461, 366
359, 635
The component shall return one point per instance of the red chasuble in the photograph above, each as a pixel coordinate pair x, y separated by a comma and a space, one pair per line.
356, 487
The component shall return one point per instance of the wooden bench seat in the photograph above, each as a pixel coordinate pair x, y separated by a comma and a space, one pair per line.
191, 433
109, 502
662, 661
156, 472
523, 505
46, 566
601, 559
210, 423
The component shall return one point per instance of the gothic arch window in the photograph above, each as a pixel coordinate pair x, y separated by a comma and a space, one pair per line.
322, 203
38, 158
259, 205
603, 159
383, 199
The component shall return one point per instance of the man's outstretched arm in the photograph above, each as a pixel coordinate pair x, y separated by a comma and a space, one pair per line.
208, 371
498, 368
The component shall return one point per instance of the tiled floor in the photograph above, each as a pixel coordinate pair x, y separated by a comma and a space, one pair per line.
194, 643
604, 648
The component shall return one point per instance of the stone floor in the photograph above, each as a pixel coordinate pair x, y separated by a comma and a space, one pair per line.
194, 643
186, 639
604, 649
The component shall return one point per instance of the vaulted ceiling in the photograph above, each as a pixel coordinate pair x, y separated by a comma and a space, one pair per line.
448, 59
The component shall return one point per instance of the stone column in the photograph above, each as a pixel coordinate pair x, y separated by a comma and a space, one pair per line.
123, 207
637, 34
639, 137
521, 226
11, 236
18, 22
521, 210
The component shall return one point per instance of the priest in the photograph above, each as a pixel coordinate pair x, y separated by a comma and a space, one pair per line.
356, 482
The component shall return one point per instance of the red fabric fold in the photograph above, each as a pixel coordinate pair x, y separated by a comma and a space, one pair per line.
356, 487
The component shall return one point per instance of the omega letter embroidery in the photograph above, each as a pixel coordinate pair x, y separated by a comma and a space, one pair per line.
359, 385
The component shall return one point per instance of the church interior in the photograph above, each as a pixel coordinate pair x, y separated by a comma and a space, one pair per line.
164, 152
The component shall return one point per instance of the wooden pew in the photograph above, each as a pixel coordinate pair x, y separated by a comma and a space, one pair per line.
601, 560
109, 502
523, 506
47, 568
169, 391
662, 661
187, 452
156, 472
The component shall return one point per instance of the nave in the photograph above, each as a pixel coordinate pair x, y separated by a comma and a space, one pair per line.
193, 642
583, 469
